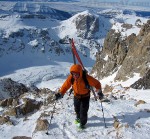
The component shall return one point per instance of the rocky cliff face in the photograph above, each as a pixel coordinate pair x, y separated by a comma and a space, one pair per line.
34, 39
138, 57
87, 25
128, 56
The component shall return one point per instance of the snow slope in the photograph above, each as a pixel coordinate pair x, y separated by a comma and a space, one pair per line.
134, 121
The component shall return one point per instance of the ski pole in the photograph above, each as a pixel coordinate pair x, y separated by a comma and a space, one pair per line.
91, 88
70, 91
52, 115
111, 115
103, 114
101, 105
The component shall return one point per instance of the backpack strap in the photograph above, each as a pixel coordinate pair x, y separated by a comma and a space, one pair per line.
84, 74
72, 80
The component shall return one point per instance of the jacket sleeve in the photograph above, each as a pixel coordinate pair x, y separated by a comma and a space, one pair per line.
66, 85
94, 82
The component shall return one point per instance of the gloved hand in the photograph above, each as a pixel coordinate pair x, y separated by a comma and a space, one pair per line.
58, 96
100, 94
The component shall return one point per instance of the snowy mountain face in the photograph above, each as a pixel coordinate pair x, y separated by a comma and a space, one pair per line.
31, 32
31, 29
35, 58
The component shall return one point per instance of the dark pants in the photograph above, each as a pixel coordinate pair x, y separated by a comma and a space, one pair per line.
81, 108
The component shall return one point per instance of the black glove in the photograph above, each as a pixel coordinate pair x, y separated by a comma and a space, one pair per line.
58, 96
100, 94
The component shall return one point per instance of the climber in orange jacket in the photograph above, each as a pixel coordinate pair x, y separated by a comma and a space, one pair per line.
81, 92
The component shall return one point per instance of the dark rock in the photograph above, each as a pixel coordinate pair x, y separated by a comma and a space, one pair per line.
34, 88
87, 25
29, 106
6, 102
11, 89
4, 119
142, 83
3, 103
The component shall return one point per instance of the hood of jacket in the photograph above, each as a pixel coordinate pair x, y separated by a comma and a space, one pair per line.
76, 68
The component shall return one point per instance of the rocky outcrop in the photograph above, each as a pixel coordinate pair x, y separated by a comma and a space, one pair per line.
138, 57
142, 83
87, 25
112, 55
9, 102
127, 56
16, 100
11, 89
42, 125
29, 106
5, 120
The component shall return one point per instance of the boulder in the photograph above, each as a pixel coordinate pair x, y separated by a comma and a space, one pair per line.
139, 102
29, 106
142, 83
4, 120
116, 124
107, 89
42, 125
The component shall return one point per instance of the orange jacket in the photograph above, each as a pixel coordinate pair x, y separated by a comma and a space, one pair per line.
79, 87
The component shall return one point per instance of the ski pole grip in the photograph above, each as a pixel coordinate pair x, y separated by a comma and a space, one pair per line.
70, 91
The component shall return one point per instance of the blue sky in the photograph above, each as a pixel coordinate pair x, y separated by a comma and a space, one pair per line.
144, 3
118, 0
127, 1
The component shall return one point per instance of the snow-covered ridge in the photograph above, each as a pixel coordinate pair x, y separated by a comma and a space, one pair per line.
125, 22
31, 30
